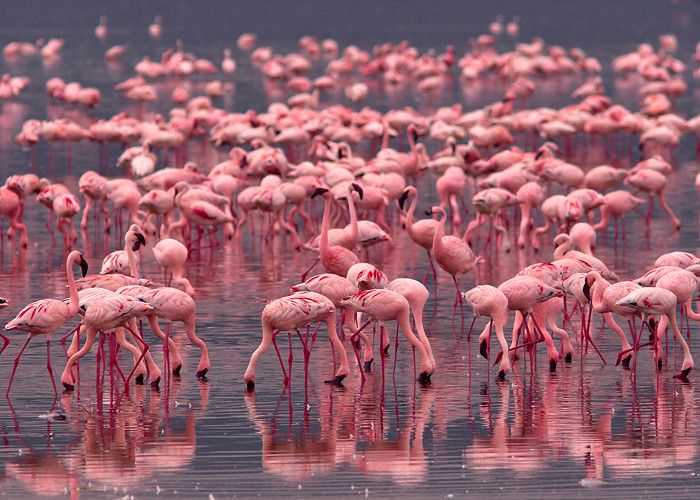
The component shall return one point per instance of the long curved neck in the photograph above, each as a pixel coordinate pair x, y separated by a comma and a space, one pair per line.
133, 267
409, 214
411, 143
439, 232
600, 286
323, 246
385, 136
74, 304
354, 230
561, 250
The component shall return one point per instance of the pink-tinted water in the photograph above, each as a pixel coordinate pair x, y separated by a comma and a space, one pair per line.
585, 430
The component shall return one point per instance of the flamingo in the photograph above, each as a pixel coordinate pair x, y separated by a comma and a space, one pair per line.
453, 255
291, 313
659, 301
486, 300
172, 255
44, 317
386, 305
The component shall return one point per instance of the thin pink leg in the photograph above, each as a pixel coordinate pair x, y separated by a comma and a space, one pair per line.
14, 368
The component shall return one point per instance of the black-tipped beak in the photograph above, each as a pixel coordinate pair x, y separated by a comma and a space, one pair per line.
140, 241
83, 266
359, 190
429, 211
402, 199
587, 291
318, 192
414, 134
244, 162
341, 155
652, 323
538, 155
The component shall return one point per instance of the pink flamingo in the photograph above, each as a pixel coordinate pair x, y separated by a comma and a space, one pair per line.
453, 255
421, 232
486, 300
603, 297
336, 259
658, 301
171, 305
11, 207
106, 312
125, 261
386, 305
417, 295
291, 313
44, 317
524, 293
172, 255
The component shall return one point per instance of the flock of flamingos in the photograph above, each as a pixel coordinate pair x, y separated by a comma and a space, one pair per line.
489, 195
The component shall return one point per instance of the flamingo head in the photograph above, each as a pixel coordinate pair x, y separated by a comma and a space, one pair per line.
319, 191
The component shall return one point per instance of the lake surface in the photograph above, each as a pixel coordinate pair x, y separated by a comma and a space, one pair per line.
587, 429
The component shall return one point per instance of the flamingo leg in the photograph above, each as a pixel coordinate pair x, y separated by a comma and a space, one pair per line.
16, 363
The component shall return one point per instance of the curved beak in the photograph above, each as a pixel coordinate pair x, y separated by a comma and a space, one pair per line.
587, 291
359, 190
402, 199
318, 192
83, 266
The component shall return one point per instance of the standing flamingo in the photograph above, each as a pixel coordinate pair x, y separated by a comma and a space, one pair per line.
659, 301
453, 254
487, 300
423, 231
44, 317
386, 305
172, 255
291, 313
335, 259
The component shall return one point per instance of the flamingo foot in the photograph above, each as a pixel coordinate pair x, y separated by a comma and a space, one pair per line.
683, 375
368, 366
552, 365
336, 381
483, 349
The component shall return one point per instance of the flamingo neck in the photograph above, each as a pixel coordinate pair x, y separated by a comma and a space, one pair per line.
439, 231
411, 211
561, 250
74, 304
133, 267
323, 245
385, 136
354, 230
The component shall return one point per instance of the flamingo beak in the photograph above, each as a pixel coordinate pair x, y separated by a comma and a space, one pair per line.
83, 266
402, 199
359, 190
318, 192
587, 290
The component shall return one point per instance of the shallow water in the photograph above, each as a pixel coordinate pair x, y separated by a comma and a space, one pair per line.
588, 429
